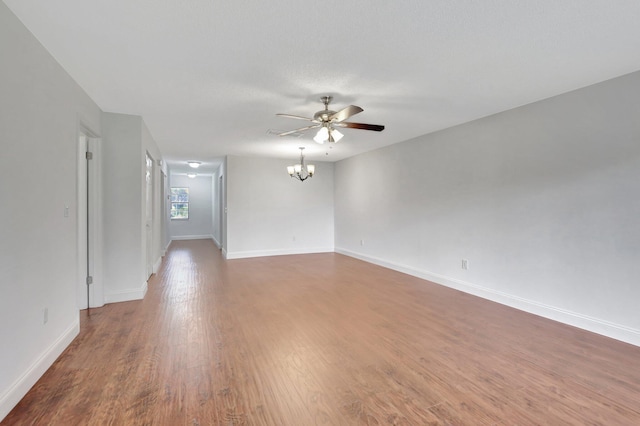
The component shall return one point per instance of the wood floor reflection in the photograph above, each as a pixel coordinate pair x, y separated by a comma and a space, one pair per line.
325, 339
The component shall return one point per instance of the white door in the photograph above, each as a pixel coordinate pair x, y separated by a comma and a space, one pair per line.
84, 254
89, 291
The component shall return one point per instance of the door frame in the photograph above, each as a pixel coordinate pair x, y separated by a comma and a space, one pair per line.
150, 214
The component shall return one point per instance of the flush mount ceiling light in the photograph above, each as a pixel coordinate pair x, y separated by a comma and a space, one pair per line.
194, 164
327, 121
192, 175
300, 171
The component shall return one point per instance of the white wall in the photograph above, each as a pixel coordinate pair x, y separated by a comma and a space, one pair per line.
41, 111
543, 201
199, 224
269, 213
126, 140
123, 232
222, 171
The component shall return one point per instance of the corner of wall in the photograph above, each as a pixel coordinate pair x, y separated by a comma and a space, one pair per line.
127, 295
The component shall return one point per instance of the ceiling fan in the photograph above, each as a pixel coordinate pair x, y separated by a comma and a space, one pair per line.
327, 121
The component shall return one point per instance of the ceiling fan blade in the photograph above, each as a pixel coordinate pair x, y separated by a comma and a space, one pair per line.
362, 126
345, 113
302, 129
297, 117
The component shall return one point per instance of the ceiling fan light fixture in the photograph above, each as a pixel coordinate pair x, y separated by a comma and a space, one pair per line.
322, 136
336, 135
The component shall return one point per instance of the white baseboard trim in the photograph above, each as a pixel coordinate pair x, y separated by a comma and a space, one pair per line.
20, 387
262, 253
192, 237
156, 266
216, 242
126, 295
224, 253
594, 325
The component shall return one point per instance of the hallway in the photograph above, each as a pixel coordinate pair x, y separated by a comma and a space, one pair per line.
325, 339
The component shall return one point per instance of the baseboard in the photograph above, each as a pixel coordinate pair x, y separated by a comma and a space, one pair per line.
216, 242
126, 295
262, 253
192, 237
594, 325
20, 387
224, 253
156, 266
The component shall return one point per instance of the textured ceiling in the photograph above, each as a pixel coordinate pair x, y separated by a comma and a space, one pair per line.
209, 76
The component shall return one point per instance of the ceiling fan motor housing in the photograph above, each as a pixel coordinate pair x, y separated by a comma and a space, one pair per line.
323, 116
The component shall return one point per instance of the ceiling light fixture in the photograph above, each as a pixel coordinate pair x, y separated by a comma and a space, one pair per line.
300, 171
194, 164
327, 134
191, 175
322, 135
335, 135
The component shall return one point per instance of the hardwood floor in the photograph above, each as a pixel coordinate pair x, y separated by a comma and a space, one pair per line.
325, 339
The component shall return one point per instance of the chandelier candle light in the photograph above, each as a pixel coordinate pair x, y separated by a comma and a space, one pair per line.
300, 171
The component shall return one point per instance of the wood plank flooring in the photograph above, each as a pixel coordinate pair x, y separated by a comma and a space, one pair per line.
325, 339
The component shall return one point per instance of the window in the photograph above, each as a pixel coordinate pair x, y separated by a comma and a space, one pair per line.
179, 203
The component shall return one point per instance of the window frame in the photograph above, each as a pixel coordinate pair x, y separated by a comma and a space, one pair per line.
173, 201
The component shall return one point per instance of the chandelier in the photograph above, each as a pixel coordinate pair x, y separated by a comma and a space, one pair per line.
300, 171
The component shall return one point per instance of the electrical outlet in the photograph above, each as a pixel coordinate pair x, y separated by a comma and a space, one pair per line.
294, 238
465, 264
46, 316
361, 242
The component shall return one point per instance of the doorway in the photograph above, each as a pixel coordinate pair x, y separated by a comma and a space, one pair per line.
221, 211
